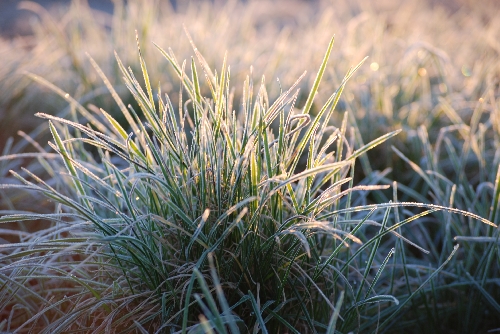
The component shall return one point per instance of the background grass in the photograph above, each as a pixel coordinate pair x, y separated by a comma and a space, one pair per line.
433, 71
421, 53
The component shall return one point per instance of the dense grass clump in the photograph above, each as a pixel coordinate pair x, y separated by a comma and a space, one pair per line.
215, 216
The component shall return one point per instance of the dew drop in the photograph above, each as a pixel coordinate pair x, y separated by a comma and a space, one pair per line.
466, 71
422, 72
374, 66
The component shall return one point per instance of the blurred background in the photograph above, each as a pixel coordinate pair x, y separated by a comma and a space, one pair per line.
421, 53
16, 22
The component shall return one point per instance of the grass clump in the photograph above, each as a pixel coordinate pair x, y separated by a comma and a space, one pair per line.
462, 170
205, 219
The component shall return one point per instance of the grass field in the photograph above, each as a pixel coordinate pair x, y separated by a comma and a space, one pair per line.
197, 180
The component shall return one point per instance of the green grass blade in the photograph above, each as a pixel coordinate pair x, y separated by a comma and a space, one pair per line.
435, 273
